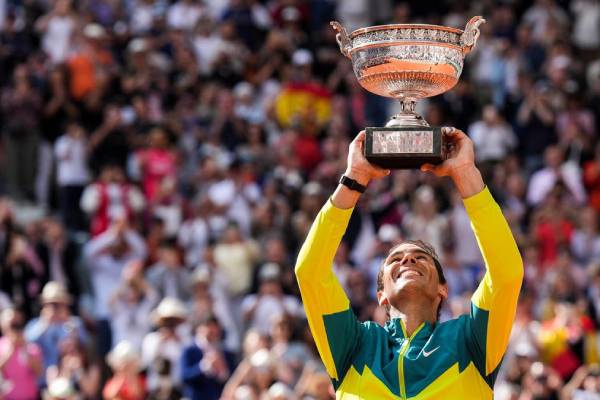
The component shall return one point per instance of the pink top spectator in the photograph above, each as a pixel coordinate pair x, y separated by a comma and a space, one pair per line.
23, 382
157, 164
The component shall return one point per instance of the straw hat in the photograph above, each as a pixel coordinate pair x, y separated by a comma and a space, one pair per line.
94, 31
60, 388
261, 359
170, 307
279, 390
200, 275
122, 354
55, 292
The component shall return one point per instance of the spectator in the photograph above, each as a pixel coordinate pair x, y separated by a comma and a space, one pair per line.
105, 256
72, 176
167, 342
20, 107
168, 276
60, 258
75, 367
21, 273
235, 257
157, 163
55, 324
270, 302
20, 360
57, 28
492, 136
109, 199
556, 170
126, 382
209, 297
130, 304
205, 365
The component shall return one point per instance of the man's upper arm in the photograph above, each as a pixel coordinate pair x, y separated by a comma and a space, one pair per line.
335, 329
494, 303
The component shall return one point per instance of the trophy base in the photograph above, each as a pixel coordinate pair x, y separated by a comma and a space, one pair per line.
404, 147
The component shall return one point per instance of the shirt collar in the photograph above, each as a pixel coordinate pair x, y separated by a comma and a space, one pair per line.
397, 329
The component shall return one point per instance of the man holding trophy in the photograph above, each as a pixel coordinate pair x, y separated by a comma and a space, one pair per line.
414, 355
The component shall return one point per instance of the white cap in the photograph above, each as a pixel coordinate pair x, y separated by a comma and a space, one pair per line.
278, 390
302, 57
243, 89
94, 31
122, 354
261, 359
425, 194
269, 271
137, 45
60, 388
170, 307
388, 233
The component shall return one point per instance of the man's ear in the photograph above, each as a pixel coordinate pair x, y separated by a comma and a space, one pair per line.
443, 290
382, 298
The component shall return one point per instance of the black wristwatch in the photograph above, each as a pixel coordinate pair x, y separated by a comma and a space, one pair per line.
352, 184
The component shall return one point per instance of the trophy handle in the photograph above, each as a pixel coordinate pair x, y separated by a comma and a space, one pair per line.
470, 34
342, 38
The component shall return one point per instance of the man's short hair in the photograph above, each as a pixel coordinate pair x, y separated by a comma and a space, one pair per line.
427, 248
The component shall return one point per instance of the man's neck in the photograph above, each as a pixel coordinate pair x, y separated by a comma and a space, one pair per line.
413, 315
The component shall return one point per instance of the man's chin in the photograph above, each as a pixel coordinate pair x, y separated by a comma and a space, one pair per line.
404, 284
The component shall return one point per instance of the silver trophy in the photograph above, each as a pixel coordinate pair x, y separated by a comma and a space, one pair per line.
407, 62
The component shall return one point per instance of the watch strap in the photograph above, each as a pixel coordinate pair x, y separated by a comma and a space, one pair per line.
352, 184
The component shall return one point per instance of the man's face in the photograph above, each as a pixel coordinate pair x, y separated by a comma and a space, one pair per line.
409, 269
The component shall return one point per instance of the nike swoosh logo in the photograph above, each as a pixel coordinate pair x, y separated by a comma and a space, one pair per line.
428, 353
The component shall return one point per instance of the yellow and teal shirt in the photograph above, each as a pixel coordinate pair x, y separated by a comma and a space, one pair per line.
457, 359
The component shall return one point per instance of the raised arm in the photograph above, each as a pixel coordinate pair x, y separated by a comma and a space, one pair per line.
334, 327
494, 303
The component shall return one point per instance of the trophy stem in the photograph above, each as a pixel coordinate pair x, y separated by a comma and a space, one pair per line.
407, 116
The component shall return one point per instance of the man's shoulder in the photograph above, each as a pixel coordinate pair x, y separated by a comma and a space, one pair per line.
452, 326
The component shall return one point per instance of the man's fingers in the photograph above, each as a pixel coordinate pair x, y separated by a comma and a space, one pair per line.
437, 170
381, 172
452, 132
360, 137
427, 167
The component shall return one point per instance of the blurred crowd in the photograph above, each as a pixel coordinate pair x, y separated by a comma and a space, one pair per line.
162, 161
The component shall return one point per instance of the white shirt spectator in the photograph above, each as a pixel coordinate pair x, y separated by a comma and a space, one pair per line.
354, 14
268, 308
142, 16
585, 246
466, 249
207, 49
105, 269
155, 347
130, 320
540, 17
56, 41
72, 161
586, 29
492, 142
184, 15
193, 237
216, 8
543, 181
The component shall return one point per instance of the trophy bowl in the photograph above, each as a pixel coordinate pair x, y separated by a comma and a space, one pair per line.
407, 62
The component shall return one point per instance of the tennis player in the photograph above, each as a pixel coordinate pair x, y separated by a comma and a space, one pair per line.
414, 356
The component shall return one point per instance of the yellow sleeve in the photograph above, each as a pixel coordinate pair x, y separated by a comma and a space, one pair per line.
334, 326
494, 303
